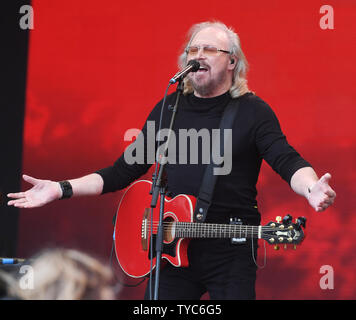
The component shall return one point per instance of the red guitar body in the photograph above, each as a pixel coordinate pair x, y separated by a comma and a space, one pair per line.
132, 229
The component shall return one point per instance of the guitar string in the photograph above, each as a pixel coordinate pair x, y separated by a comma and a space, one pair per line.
169, 227
214, 230
207, 226
216, 235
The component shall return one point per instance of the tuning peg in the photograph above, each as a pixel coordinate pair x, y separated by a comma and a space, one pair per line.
287, 219
294, 247
276, 247
285, 247
302, 221
278, 219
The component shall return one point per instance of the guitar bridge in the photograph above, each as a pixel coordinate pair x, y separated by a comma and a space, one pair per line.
144, 228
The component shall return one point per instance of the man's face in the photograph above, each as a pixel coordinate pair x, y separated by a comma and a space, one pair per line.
215, 74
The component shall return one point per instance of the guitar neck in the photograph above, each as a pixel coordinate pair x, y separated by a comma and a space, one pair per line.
212, 230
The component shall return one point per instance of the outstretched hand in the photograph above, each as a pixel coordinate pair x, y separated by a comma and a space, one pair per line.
321, 195
42, 192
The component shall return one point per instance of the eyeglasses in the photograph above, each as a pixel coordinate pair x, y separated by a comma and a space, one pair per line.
208, 50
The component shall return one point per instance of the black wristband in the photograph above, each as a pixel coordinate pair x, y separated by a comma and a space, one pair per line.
67, 190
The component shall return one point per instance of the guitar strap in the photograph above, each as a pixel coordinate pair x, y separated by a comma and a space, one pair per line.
207, 187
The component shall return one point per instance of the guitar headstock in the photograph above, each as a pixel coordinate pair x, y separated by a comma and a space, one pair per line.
284, 231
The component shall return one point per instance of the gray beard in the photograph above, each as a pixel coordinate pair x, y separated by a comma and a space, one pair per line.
208, 88
203, 90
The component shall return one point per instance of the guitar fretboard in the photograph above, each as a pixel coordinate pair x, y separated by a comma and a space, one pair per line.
212, 230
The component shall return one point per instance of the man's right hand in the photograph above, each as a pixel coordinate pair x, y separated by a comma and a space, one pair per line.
42, 192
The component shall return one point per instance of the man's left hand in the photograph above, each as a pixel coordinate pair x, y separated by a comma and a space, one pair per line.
321, 195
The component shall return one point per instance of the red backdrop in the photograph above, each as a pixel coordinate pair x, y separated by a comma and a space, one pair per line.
97, 68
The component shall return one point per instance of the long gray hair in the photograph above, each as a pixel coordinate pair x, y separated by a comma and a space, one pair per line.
239, 81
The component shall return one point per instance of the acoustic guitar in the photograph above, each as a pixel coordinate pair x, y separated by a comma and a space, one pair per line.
132, 231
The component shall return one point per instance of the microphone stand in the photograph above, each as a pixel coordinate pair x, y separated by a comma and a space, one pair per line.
159, 188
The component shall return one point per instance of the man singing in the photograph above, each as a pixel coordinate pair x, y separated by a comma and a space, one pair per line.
216, 266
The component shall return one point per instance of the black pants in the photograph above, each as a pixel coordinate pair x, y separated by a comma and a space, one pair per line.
223, 270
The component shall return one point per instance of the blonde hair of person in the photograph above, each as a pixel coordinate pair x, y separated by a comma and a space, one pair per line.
239, 80
65, 274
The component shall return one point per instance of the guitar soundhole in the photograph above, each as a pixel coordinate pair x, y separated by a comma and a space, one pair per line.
168, 234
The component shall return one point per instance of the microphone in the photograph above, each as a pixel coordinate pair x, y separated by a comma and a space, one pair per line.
192, 66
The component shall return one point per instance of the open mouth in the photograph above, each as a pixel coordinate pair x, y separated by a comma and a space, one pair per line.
203, 69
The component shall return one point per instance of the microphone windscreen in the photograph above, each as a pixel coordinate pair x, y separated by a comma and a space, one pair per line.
195, 65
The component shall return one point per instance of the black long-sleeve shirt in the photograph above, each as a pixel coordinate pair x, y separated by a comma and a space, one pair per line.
256, 135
